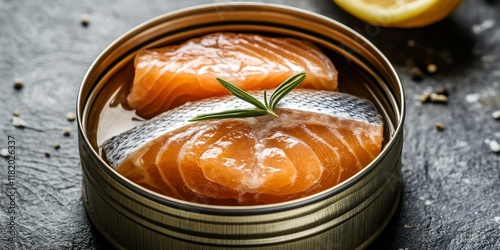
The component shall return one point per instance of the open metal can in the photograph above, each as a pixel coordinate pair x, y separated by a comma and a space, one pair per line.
348, 216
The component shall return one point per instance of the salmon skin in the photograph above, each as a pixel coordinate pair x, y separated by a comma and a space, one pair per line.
320, 139
170, 76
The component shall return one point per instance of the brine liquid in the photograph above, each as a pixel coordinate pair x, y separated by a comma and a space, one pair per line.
110, 113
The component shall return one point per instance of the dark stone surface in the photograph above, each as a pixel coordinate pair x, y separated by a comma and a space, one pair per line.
451, 195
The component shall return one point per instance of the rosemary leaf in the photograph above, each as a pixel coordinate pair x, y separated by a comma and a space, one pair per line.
266, 103
236, 91
266, 108
283, 89
236, 113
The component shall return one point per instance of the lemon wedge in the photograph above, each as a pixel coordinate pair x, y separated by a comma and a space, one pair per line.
399, 13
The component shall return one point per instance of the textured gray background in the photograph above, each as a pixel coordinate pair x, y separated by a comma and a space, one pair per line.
451, 178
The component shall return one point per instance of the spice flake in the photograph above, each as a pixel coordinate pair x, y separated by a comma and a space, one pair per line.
18, 122
18, 83
70, 116
85, 20
439, 126
66, 131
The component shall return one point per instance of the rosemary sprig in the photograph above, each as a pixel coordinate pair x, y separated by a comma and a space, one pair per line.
266, 108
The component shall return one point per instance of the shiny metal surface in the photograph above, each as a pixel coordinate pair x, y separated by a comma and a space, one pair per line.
348, 216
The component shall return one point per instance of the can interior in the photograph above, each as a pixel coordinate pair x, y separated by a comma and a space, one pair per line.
363, 72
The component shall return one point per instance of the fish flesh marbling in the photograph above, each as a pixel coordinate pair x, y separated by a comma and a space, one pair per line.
170, 76
320, 139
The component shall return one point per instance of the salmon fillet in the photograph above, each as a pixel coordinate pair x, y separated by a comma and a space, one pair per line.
170, 76
320, 139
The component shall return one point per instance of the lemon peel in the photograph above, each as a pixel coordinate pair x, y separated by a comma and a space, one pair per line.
399, 13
